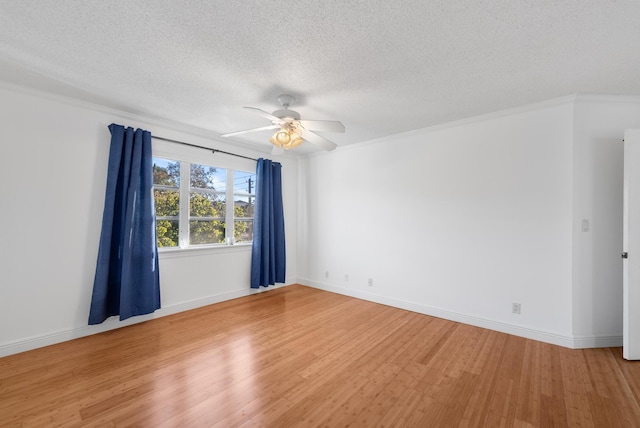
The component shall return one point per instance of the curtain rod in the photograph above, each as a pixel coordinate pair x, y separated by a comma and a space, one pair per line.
201, 147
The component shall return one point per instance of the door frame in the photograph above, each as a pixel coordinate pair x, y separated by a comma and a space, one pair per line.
631, 246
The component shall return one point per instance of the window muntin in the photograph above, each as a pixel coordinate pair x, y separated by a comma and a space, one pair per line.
197, 213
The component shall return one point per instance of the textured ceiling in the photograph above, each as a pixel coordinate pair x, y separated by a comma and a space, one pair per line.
380, 66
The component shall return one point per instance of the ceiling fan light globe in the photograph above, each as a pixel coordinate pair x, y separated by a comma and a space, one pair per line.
296, 140
283, 137
280, 138
295, 143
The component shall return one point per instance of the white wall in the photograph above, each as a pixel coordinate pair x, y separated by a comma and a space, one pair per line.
54, 154
457, 221
599, 127
490, 212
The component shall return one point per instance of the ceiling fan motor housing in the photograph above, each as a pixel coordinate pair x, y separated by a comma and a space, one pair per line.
286, 100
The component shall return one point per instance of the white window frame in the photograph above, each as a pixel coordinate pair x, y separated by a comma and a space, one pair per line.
187, 155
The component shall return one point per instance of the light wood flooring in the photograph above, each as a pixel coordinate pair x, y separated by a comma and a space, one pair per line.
297, 356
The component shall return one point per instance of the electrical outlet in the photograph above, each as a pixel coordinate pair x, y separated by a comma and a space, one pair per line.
370, 282
515, 308
346, 277
326, 274
585, 225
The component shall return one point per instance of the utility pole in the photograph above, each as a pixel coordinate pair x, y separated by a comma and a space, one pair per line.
249, 188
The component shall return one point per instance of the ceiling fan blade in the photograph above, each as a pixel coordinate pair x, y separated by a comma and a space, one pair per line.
318, 140
265, 114
231, 134
322, 125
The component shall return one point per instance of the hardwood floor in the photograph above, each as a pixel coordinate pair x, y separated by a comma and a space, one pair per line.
297, 356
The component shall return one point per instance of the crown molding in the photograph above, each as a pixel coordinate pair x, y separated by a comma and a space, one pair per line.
171, 126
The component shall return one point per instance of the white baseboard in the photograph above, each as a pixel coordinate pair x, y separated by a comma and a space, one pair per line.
113, 322
601, 341
529, 333
575, 342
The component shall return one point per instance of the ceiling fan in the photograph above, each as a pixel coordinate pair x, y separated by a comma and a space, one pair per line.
292, 130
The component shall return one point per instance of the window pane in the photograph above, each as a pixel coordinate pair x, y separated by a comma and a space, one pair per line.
244, 190
208, 177
166, 172
206, 232
243, 206
167, 202
207, 205
167, 232
243, 231
244, 183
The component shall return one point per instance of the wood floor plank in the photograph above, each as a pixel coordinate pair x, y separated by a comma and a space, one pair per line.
298, 356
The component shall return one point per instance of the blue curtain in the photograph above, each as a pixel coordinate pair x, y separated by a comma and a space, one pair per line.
127, 281
268, 257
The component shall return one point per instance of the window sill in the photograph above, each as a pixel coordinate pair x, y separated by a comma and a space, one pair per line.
170, 253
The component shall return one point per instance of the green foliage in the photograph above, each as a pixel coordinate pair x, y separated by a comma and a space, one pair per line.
201, 176
169, 176
167, 233
167, 203
242, 228
206, 231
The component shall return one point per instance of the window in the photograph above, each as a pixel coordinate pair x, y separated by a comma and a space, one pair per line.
199, 204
